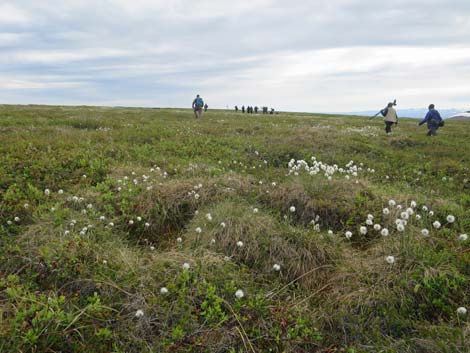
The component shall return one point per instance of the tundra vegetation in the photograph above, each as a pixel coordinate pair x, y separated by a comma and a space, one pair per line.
144, 230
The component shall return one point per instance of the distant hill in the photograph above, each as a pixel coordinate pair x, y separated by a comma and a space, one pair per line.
412, 113
465, 116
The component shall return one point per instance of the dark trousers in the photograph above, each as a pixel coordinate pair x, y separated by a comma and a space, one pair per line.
388, 127
432, 130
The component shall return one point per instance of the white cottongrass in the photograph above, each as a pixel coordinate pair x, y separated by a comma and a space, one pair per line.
392, 203
436, 224
139, 313
377, 227
363, 230
386, 211
462, 310
292, 209
198, 230
239, 294
147, 224
179, 240
131, 222
463, 237
369, 222
164, 290
186, 266
209, 217
223, 225
401, 227
255, 210
348, 235
413, 204
17, 219
47, 192
239, 243
60, 192
276, 267
371, 217
425, 232
404, 215
450, 219
390, 259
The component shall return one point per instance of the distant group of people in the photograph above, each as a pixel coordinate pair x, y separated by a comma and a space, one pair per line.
433, 119
250, 110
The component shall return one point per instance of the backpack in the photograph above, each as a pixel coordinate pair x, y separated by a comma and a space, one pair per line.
199, 102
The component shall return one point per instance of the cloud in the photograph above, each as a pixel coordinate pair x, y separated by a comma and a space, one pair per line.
301, 55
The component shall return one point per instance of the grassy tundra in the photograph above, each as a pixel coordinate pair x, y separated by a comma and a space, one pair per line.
143, 230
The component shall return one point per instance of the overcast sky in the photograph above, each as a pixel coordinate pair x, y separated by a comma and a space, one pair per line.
298, 55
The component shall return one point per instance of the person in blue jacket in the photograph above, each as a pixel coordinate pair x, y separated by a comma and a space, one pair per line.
433, 119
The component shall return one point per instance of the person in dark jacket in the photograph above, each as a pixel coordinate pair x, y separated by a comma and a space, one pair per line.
433, 120
390, 117
243, 109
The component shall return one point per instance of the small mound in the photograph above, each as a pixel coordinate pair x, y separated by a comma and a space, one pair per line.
264, 243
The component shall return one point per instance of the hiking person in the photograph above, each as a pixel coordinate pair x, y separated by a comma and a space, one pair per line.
256, 110
243, 109
198, 104
433, 119
236, 108
205, 107
390, 117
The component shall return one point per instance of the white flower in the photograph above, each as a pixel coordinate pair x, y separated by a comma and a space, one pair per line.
9, 223
139, 313
26, 206
425, 208
377, 227
105, 262
463, 237
17, 219
131, 222
390, 259
276, 267
84, 176
385, 232
111, 224
89, 206
410, 211
239, 244
369, 222
431, 213
139, 219
413, 204
212, 241
255, 210
404, 215
66, 232
60, 192
461, 310
436, 224
223, 225
163, 290
239, 294
418, 217
47, 192
425, 232
401, 228
147, 225
209, 217
186, 266
179, 240
198, 230
450, 219
386, 211
363, 230
330, 232
370, 217
392, 203
292, 209
152, 248
348, 235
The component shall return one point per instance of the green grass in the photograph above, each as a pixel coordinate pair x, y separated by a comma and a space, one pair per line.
147, 190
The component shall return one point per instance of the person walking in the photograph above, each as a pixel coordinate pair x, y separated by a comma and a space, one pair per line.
198, 105
390, 117
243, 109
433, 120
